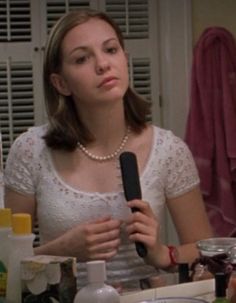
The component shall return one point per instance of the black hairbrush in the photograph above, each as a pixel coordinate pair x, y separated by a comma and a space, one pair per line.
132, 188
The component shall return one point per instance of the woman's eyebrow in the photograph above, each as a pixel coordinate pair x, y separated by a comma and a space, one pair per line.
84, 48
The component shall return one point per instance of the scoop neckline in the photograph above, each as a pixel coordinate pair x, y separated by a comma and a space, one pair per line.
112, 193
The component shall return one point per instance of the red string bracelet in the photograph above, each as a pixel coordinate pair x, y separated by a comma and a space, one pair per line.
173, 254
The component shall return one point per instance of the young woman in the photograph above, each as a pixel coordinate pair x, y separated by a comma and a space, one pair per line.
66, 173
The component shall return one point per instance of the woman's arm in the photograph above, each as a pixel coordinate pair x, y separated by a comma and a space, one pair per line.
190, 220
99, 239
20, 203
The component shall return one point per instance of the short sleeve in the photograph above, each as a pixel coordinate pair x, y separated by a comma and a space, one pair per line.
20, 170
181, 171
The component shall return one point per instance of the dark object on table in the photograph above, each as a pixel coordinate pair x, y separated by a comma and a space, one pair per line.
183, 272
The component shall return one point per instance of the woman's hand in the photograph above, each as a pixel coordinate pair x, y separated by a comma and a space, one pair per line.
97, 240
143, 226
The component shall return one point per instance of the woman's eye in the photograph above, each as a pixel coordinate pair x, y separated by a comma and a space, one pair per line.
81, 60
112, 50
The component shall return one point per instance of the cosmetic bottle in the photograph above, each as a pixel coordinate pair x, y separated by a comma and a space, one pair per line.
183, 272
96, 291
5, 231
231, 292
21, 246
220, 288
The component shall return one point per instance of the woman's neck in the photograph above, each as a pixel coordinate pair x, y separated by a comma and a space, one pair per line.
107, 126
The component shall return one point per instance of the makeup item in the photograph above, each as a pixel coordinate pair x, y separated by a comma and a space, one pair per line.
5, 231
132, 188
231, 292
183, 271
220, 288
21, 246
96, 291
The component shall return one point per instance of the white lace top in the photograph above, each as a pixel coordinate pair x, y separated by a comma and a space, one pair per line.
169, 172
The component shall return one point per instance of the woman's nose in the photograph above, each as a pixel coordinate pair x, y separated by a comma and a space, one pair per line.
102, 65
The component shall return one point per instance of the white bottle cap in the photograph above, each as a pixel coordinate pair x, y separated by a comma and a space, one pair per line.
96, 271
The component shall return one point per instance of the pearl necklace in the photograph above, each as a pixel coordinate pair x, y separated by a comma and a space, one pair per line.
107, 157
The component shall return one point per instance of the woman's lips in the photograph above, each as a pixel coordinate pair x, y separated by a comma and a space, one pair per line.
109, 81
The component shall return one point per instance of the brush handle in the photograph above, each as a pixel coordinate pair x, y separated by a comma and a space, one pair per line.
132, 188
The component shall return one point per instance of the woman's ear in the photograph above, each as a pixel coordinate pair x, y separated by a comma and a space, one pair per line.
60, 85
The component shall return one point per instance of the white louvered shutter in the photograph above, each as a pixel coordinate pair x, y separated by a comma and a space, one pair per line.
17, 110
15, 20
19, 63
56, 8
16, 101
132, 16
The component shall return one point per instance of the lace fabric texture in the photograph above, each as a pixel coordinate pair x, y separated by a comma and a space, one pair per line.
169, 172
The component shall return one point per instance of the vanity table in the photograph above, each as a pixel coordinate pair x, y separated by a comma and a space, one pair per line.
200, 289
218, 251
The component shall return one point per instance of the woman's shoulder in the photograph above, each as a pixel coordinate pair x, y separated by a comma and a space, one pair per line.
166, 137
167, 145
30, 141
32, 135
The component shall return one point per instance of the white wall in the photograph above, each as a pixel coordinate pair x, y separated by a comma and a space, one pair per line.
175, 64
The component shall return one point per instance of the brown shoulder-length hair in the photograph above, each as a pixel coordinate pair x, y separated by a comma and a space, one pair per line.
65, 126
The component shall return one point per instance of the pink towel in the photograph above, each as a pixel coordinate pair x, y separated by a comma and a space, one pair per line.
211, 125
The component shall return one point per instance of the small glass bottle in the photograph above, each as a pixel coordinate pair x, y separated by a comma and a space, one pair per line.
96, 291
5, 231
21, 246
231, 293
220, 288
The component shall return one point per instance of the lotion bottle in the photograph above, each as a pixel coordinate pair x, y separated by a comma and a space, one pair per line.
96, 291
21, 246
5, 231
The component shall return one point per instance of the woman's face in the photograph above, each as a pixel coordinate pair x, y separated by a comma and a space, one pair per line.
94, 65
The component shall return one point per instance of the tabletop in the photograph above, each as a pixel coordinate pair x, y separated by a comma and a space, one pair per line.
199, 289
